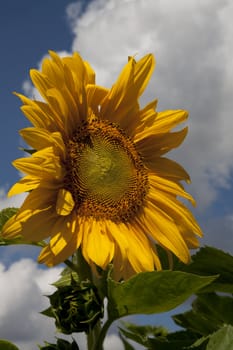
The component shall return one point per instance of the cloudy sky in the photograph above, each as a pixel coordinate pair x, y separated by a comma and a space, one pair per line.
193, 45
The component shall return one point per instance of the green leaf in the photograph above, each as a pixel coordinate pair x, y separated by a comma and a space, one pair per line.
199, 344
127, 345
6, 345
158, 337
6, 214
211, 261
142, 334
176, 341
61, 344
152, 292
209, 313
222, 339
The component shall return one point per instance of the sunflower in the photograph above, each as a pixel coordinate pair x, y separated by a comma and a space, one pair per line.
97, 177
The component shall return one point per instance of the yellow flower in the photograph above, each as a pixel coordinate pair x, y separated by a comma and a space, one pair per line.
98, 179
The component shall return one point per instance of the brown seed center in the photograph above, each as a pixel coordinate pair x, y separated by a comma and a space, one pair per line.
105, 173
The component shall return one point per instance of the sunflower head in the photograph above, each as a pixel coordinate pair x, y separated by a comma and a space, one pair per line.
98, 179
105, 173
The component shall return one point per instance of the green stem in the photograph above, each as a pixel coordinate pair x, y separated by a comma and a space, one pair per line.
96, 335
92, 336
99, 340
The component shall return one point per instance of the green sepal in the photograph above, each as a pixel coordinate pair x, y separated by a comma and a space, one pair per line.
6, 345
67, 278
152, 292
27, 150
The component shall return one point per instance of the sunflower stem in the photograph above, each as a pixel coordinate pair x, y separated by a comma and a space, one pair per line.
93, 336
99, 339
96, 337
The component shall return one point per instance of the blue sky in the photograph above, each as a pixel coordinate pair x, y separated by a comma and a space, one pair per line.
193, 46
28, 30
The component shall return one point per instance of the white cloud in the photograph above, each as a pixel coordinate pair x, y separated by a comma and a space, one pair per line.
14, 201
113, 342
23, 286
193, 44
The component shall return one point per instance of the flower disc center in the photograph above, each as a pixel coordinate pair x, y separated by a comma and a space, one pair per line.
105, 171
105, 174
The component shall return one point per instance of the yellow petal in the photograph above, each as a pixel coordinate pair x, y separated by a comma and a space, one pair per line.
122, 101
162, 122
190, 239
42, 164
28, 226
147, 116
153, 146
33, 229
41, 82
53, 69
12, 228
48, 257
167, 120
65, 202
165, 232
25, 184
168, 186
95, 94
39, 199
121, 97
142, 72
78, 75
140, 253
62, 234
38, 116
90, 73
166, 168
39, 138
117, 232
176, 210
98, 245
